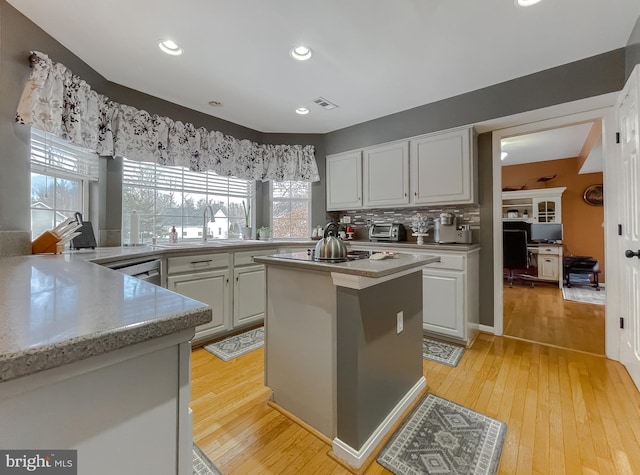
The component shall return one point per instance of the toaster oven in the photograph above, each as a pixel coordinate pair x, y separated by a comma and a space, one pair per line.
393, 232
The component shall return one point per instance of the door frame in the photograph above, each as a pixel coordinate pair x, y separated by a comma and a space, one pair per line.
536, 123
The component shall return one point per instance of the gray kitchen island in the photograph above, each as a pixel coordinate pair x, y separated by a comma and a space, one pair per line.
343, 349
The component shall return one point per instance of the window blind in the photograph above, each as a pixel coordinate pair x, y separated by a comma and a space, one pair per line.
52, 154
150, 175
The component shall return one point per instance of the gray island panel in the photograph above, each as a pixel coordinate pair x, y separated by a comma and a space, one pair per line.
377, 365
333, 355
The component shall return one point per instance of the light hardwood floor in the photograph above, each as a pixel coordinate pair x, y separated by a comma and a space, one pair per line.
567, 412
541, 314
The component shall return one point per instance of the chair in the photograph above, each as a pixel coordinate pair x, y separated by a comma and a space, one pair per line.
515, 255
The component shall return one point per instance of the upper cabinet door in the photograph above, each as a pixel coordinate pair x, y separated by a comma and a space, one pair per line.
386, 175
443, 169
344, 181
547, 209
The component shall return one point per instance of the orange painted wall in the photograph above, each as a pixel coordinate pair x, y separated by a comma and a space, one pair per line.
583, 232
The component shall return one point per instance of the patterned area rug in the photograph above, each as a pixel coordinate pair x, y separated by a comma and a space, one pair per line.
441, 352
237, 345
201, 463
442, 437
585, 294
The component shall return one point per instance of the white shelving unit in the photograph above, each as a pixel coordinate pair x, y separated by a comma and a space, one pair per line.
541, 206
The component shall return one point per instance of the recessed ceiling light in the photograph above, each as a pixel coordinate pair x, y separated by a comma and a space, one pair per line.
301, 53
170, 47
526, 3
302, 110
503, 155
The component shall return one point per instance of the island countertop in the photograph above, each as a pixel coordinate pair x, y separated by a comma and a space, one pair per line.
57, 309
369, 268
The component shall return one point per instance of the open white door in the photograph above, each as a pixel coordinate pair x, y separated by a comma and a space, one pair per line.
628, 200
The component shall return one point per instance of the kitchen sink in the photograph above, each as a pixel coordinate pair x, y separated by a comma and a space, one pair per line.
181, 245
217, 243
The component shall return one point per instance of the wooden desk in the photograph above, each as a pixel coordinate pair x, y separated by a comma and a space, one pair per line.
547, 258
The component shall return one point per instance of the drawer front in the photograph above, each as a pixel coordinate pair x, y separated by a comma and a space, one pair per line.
243, 258
448, 262
549, 250
197, 262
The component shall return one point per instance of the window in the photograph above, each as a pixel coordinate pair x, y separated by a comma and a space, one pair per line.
175, 196
291, 209
60, 174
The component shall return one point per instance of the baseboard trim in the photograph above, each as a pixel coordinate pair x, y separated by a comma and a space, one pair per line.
486, 329
355, 458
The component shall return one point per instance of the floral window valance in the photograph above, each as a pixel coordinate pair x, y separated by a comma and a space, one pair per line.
56, 101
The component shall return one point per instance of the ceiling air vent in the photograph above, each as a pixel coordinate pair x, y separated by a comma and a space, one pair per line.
322, 102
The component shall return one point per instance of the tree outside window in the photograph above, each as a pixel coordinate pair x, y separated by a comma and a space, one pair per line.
291, 209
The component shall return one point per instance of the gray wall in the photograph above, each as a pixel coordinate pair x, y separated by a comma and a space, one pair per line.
589, 77
485, 197
633, 49
18, 36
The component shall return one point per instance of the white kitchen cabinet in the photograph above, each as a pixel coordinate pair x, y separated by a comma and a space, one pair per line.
249, 287
212, 288
450, 290
443, 168
344, 181
443, 303
451, 295
434, 169
386, 175
231, 283
249, 295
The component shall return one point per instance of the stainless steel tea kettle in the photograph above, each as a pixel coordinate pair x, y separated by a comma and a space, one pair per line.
330, 247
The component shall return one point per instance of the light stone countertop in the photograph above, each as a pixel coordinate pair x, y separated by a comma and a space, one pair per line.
359, 267
57, 309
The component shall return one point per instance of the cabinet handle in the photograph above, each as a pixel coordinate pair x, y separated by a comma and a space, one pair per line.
237, 278
227, 280
405, 195
415, 193
202, 262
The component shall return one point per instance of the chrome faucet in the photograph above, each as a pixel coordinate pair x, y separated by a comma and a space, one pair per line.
205, 228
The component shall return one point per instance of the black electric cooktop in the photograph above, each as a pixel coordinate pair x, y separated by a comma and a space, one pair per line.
308, 255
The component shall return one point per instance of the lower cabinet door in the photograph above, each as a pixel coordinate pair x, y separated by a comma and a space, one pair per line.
548, 266
211, 288
443, 302
249, 295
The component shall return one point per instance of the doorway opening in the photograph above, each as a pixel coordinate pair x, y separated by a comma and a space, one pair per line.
540, 313
544, 174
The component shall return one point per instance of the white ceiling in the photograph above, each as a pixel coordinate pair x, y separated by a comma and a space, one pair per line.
555, 144
372, 57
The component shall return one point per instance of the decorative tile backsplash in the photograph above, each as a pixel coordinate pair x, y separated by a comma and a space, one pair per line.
361, 219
